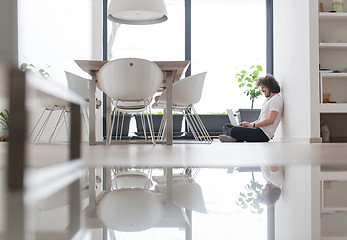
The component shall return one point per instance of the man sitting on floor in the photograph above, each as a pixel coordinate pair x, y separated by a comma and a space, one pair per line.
263, 129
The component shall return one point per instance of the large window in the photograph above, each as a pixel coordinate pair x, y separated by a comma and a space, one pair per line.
227, 34
157, 42
54, 34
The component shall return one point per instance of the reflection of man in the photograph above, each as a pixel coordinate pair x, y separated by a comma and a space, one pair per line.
263, 129
272, 190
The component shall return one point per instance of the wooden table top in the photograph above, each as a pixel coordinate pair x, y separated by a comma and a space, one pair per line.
177, 67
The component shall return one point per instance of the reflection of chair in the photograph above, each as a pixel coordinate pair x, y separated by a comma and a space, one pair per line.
50, 105
132, 179
130, 210
131, 83
186, 93
186, 192
79, 85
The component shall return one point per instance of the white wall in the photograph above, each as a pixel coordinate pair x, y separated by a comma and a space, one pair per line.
296, 65
297, 212
55, 34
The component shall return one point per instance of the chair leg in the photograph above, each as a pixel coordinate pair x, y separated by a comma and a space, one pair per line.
201, 125
197, 127
144, 126
117, 126
85, 119
66, 123
111, 130
121, 127
162, 127
151, 119
195, 122
150, 126
37, 123
55, 128
39, 134
190, 125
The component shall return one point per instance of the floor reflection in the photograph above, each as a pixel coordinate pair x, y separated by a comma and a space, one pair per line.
313, 202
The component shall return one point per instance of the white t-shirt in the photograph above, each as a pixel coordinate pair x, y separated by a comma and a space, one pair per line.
276, 178
271, 104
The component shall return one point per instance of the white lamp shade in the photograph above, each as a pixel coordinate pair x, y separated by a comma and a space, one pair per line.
130, 210
137, 12
189, 196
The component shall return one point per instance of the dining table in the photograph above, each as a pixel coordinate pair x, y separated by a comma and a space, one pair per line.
172, 72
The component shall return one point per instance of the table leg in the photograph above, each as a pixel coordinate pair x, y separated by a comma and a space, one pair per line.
169, 182
108, 118
92, 89
92, 193
169, 123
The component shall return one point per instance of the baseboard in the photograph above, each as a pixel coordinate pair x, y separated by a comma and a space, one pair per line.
297, 140
316, 140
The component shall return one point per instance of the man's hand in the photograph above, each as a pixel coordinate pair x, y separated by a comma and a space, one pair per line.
246, 124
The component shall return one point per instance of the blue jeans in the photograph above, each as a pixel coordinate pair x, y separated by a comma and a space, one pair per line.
245, 134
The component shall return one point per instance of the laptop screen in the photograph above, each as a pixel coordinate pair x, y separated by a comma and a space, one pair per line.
232, 117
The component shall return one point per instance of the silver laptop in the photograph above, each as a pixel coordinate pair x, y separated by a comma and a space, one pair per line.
232, 117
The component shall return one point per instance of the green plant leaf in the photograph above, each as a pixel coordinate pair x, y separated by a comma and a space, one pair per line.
23, 66
242, 194
259, 68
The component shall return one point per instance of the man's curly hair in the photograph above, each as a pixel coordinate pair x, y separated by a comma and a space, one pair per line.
270, 82
270, 198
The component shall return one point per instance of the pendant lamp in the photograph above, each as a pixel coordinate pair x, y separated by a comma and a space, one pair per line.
137, 12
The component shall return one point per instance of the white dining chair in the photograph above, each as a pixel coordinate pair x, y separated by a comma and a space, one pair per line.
185, 94
50, 105
131, 84
80, 85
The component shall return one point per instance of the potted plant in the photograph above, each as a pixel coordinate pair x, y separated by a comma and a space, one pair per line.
29, 66
4, 117
177, 124
249, 199
247, 79
126, 123
214, 123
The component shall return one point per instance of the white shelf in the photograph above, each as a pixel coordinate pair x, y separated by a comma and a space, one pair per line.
328, 210
342, 237
333, 176
333, 107
328, 45
333, 75
327, 16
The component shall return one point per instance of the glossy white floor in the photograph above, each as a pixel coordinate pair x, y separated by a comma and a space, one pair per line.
216, 154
